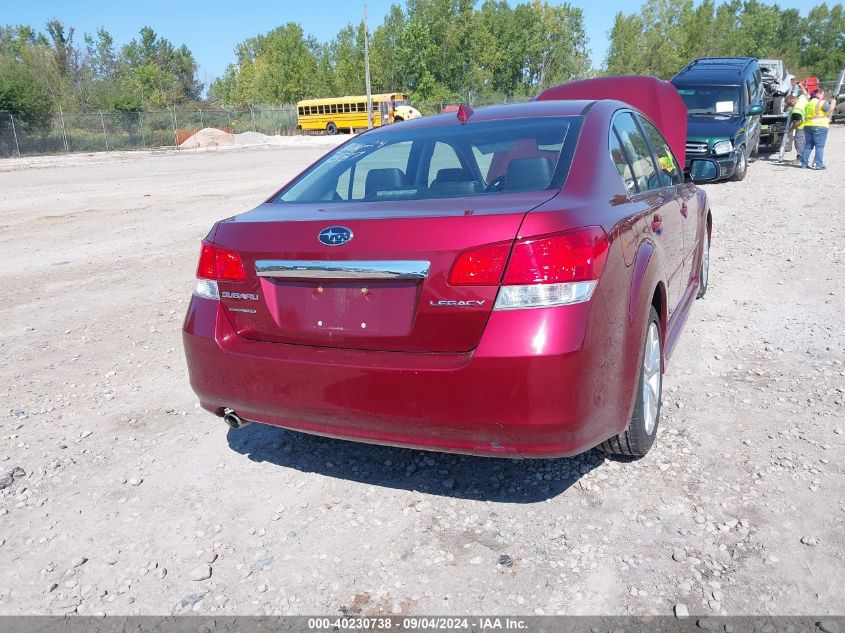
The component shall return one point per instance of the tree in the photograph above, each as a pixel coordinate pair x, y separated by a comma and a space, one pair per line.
824, 42
21, 93
156, 73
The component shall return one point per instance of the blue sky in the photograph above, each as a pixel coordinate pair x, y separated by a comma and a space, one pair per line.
211, 29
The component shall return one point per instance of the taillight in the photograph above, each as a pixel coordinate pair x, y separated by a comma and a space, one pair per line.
220, 264
553, 270
481, 266
577, 255
216, 264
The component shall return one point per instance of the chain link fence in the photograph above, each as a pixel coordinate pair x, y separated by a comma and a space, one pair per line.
108, 131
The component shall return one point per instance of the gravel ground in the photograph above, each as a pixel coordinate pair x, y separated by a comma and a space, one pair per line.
118, 495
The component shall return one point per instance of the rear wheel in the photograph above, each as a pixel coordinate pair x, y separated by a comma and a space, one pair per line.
704, 273
741, 166
638, 438
331, 128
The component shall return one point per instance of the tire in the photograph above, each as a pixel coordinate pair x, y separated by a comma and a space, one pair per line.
331, 128
638, 438
704, 273
741, 167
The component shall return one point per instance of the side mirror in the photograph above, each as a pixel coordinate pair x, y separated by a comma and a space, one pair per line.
756, 109
703, 170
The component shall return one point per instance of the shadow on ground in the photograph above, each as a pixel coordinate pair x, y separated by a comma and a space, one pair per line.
460, 476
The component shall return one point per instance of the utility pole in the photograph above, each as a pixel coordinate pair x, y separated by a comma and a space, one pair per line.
367, 72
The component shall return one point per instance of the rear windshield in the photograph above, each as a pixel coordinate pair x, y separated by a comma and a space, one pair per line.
710, 100
476, 159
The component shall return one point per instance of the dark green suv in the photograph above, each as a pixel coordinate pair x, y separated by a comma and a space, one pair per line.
723, 96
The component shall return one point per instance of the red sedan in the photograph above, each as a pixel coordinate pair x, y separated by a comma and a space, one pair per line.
508, 282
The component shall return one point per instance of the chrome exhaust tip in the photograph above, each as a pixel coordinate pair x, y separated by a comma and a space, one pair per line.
234, 420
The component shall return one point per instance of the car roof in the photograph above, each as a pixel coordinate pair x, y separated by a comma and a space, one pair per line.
715, 70
528, 110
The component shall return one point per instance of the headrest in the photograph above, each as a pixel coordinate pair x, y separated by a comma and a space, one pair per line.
389, 179
528, 174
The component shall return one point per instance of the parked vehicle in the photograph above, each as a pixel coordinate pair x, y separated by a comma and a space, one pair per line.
508, 282
333, 115
778, 82
723, 96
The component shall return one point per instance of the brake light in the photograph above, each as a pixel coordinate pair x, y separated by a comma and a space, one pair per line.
554, 270
216, 264
220, 264
577, 255
481, 266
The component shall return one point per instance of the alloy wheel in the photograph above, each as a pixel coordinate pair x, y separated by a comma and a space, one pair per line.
651, 378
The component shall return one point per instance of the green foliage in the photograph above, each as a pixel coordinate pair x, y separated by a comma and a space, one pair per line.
664, 35
148, 72
436, 50
21, 93
824, 41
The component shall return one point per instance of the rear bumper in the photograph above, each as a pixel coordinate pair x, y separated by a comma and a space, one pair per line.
533, 388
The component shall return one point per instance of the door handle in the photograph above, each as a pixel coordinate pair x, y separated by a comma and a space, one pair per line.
656, 224
684, 209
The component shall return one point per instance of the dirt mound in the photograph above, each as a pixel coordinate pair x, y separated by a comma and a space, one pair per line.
208, 137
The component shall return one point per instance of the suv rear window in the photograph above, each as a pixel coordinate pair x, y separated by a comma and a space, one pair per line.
408, 163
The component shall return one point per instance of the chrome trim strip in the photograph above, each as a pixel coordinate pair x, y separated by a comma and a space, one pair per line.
347, 269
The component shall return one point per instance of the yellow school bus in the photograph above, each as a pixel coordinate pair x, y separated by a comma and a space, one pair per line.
350, 113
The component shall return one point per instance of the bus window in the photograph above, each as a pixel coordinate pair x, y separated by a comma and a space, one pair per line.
320, 110
362, 107
346, 107
301, 111
313, 109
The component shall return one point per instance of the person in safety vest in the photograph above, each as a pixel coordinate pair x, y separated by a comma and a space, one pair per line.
816, 123
795, 128
666, 164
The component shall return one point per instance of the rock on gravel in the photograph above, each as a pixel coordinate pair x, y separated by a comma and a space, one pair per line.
681, 611
8, 478
201, 572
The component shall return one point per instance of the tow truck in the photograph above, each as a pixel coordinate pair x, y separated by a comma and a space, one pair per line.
778, 82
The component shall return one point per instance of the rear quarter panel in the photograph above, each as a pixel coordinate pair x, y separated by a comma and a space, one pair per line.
594, 195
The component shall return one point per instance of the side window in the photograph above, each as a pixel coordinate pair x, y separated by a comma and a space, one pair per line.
389, 165
669, 168
443, 157
748, 92
639, 155
620, 159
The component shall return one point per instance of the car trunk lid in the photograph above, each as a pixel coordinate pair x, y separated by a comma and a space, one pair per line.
385, 289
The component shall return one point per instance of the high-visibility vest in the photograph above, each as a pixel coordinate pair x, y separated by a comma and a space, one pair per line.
814, 116
666, 163
798, 108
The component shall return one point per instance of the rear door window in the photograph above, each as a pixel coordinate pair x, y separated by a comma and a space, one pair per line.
637, 150
670, 170
623, 167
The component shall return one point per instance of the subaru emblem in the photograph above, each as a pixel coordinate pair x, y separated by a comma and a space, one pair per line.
335, 236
